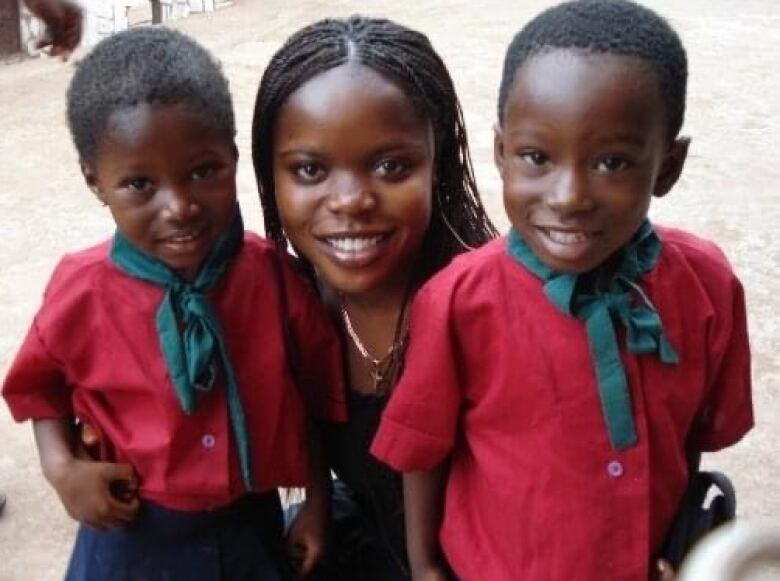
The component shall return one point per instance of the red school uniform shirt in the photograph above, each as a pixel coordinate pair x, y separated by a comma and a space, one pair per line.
502, 383
93, 352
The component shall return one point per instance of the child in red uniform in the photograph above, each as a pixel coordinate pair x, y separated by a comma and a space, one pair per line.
169, 340
556, 379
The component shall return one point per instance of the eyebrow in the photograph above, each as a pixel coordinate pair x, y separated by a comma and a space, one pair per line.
406, 145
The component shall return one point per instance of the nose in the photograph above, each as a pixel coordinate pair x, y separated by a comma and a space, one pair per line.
350, 194
179, 204
570, 194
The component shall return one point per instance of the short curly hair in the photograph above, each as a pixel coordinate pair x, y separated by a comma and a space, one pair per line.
145, 65
617, 27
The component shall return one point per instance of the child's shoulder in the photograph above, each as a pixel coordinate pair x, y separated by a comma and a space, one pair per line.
703, 256
472, 273
76, 271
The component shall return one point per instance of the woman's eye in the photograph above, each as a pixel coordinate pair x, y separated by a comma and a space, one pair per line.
612, 163
534, 157
391, 168
309, 172
204, 171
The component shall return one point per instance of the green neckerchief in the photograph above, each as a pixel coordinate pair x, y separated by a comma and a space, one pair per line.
191, 337
599, 308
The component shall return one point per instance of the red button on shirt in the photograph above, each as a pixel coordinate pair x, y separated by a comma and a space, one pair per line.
93, 351
502, 383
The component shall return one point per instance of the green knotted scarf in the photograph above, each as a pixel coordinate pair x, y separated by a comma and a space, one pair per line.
622, 300
191, 337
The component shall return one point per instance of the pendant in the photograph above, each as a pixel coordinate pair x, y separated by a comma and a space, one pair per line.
376, 374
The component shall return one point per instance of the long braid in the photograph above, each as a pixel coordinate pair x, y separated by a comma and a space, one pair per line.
407, 59
404, 57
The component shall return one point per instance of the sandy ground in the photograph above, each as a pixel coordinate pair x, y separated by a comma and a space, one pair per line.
726, 193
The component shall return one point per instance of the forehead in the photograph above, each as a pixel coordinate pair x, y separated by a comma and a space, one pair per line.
349, 101
567, 84
146, 125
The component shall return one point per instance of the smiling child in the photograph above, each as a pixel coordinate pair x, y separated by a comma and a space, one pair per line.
169, 339
557, 379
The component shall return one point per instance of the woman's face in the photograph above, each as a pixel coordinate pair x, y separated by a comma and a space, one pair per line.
353, 165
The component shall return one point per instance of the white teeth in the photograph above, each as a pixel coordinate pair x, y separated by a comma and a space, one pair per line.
354, 245
561, 237
183, 239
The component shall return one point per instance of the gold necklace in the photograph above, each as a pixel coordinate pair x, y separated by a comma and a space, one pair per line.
377, 367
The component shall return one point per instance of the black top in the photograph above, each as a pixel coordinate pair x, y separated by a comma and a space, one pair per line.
375, 543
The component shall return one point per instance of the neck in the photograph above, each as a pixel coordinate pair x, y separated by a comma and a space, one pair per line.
383, 301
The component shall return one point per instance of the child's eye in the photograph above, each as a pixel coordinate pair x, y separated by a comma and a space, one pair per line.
534, 157
138, 185
204, 171
612, 163
391, 168
309, 172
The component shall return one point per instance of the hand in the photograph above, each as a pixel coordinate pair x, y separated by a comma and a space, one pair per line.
63, 19
429, 573
306, 538
663, 571
99, 494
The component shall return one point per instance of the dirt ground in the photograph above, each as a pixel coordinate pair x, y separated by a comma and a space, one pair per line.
726, 193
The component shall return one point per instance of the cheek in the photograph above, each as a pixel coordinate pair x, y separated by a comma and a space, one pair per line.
416, 206
296, 205
520, 193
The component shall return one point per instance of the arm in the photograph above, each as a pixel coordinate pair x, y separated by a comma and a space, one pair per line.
306, 539
423, 510
84, 487
63, 20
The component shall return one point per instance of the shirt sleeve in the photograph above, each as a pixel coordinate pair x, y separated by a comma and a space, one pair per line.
316, 355
35, 387
728, 411
418, 427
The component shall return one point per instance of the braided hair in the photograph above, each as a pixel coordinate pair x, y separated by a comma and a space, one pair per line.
618, 27
407, 59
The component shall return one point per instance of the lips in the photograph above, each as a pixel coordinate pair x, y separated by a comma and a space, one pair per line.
184, 242
353, 244
568, 237
354, 249
568, 249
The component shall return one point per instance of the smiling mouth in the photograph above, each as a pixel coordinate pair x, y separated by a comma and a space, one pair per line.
354, 244
568, 237
355, 250
184, 239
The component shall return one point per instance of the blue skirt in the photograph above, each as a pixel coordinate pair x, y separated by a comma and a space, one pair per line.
241, 542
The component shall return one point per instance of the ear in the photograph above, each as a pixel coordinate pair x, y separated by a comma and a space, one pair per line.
90, 177
498, 149
671, 166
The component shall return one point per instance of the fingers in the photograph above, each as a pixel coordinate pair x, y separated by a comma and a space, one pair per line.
122, 512
664, 571
310, 557
304, 554
112, 471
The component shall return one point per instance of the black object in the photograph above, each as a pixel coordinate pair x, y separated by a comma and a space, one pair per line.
696, 516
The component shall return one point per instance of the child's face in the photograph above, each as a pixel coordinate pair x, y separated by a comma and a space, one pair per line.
169, 179
582, 148
353, 173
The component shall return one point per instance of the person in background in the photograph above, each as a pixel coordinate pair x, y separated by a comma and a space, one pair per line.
64, 22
